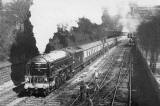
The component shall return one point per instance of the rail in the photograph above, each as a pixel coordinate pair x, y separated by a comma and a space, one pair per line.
114, 89
130, 81
103, 65
101, 85
110, 62
118, 80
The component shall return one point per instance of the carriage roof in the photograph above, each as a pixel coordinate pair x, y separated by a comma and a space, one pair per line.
73, 49
90, 45
50, 57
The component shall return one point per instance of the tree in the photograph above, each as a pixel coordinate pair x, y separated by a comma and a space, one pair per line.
12, 17
19, 9
84, 25
24, 46
149, 39
85, 32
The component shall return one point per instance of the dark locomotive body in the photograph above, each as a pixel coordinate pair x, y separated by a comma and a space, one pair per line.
47, 72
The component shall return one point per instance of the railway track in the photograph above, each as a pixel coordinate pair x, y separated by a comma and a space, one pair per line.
109, 94
109, 86
121, 76
65, 94
130, 80
68, 92
107, 75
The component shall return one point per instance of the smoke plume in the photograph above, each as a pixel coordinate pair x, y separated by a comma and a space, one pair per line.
47, 14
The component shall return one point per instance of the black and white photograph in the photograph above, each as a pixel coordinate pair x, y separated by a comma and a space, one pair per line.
79, 52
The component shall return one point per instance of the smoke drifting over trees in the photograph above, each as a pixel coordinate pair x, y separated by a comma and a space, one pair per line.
47, 14
85, 32
111, 23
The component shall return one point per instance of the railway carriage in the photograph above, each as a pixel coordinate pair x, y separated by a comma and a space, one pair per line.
91, 51
77, 55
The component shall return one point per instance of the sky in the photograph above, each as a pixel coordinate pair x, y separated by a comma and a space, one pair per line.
6, 1
46, 14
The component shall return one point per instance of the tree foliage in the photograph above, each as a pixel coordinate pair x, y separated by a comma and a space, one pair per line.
16, 30
85, 32
19, 9
149, 38
24, 46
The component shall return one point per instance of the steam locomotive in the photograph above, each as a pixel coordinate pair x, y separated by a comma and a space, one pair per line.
47, 72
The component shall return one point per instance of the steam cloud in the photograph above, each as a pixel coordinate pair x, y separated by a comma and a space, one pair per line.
47, 14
